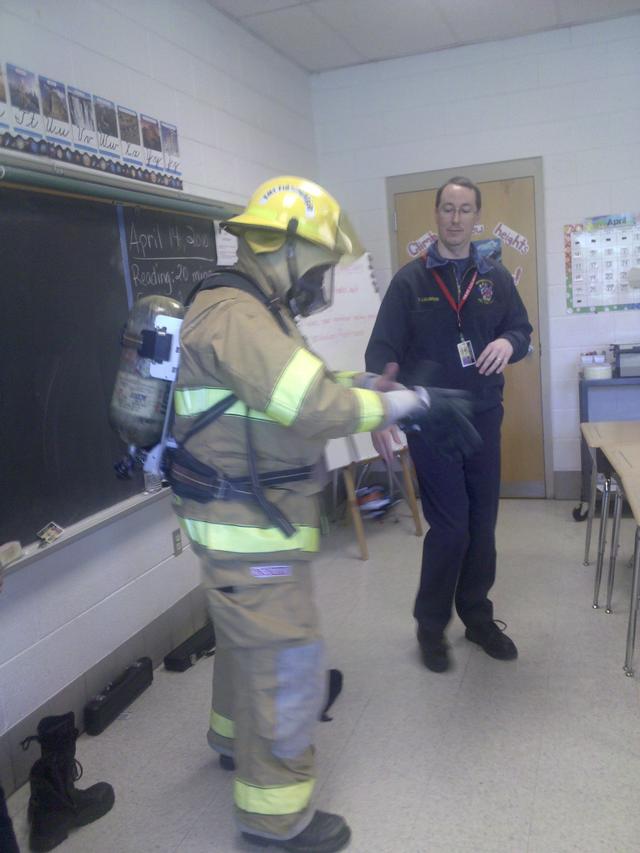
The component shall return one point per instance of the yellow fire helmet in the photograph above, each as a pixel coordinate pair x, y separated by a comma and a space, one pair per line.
267, 220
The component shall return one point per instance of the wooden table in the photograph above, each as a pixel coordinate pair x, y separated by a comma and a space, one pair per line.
596, 434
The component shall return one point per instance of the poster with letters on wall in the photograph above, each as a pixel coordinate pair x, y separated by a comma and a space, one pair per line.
4, 107
169, 136
83, 124
130, 138
55, 113
152, 143
25, 116
107, 128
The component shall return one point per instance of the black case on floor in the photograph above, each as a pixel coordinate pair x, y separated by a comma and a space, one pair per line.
203, 642
117, 695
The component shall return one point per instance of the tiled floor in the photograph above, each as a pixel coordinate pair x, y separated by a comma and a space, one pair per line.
541, 755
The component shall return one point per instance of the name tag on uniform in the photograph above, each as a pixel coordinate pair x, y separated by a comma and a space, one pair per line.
465, 351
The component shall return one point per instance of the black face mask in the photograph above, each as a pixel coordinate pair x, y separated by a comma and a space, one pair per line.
312, 292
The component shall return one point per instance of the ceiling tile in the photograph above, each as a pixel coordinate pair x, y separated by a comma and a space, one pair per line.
379, 29
583, 11
302, 36
497, 19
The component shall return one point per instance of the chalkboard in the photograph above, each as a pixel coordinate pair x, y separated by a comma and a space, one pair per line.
166, 254
66, 265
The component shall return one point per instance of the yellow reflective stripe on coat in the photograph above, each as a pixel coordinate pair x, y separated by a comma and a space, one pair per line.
345, 377
276, 800
372, 412
249, 540
293, 385
193, 401
222, 726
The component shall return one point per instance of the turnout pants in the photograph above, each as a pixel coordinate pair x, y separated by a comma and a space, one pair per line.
460, 503
268, 688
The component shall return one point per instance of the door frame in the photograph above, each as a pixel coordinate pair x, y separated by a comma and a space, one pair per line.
505, 170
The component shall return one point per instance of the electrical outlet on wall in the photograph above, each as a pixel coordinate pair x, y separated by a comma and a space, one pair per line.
177, 542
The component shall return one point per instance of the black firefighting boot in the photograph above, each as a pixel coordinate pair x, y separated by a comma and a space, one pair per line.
326, 833
56, 805
8, 842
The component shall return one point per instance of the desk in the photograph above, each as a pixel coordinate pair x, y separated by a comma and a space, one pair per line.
625, 460
616, 399
596, 434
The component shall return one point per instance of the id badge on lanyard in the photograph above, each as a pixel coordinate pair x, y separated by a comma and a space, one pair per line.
465, 347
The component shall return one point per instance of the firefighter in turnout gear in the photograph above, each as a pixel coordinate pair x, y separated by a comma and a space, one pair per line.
254, 408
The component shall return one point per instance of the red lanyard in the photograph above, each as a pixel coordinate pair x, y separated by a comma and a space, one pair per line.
457, 306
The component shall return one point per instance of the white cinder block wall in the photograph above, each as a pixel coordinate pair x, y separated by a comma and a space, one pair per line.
569, 96
243, 114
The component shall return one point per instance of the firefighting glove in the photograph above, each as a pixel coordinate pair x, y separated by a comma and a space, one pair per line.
440, 415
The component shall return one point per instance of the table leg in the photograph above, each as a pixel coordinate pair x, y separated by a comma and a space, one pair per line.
592, 505
602, 540
615, 536
633, 608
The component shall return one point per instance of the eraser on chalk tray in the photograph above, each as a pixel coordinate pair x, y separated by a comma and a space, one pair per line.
9, 553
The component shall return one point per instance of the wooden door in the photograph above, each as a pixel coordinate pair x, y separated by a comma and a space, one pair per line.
508, 212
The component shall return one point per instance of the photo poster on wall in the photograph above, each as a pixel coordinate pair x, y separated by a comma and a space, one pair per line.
602, 264
43, 117
339, 335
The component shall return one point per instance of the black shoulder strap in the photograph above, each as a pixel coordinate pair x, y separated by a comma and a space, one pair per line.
225, 277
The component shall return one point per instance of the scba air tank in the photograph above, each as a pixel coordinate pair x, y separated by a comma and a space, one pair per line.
139, 401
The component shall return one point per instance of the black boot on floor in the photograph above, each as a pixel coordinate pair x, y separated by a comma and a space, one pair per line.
56, 805
8, 843
493, 640
434, 650
325, 834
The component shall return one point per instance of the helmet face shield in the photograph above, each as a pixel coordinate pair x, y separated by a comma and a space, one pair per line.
347, 243
311, 273
312, 292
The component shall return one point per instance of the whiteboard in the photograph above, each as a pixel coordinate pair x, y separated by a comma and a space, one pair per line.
339, 335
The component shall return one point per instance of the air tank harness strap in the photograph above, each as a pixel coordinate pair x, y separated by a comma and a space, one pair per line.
193, 480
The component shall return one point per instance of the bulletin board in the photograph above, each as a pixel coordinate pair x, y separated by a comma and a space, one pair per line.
602, 264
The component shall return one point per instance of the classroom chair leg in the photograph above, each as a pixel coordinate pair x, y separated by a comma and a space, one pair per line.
410, 491
350, 486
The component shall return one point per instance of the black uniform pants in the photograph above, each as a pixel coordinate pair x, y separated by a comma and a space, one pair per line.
460, 503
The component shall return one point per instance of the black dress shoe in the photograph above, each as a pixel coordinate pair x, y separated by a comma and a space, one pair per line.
434, 650
326, 833
493, 640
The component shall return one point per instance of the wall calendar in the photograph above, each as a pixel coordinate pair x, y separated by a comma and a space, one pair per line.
602, 264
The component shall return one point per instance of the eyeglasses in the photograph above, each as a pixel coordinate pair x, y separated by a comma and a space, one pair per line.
451, 210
